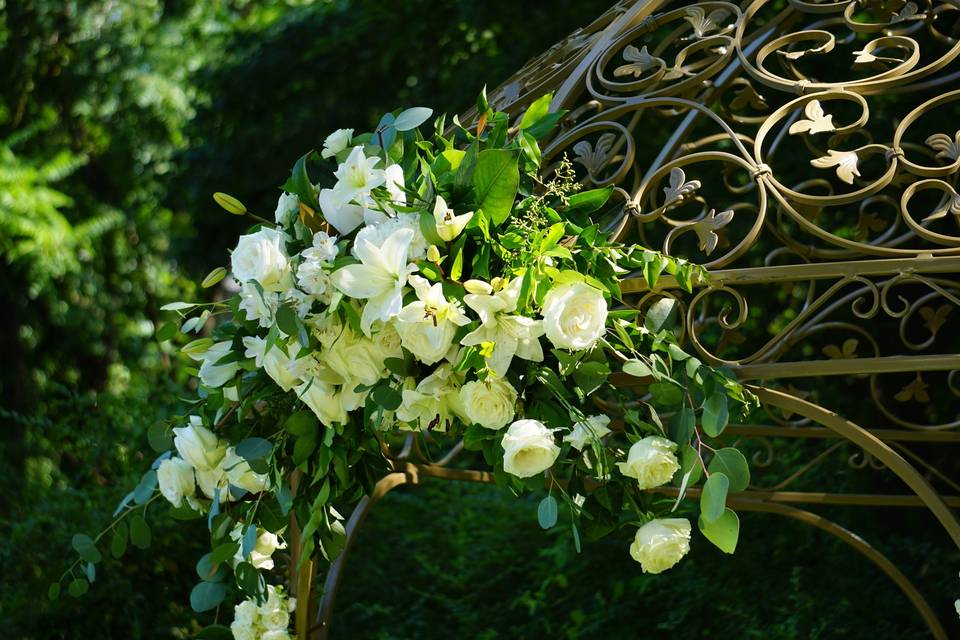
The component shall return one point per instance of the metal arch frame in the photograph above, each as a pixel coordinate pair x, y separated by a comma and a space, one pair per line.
866, 278
776, 502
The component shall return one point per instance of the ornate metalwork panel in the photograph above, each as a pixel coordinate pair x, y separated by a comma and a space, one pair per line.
808, 154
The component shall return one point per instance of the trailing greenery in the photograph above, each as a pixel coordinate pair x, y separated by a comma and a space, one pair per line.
117, 119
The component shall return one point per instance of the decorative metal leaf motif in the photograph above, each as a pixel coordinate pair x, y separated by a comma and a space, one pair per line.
747, 96
594, 159
679, 188
866, 223
702, 23
640, 61
933, 320
916, 390
909, 12
951, 204
945, 147
817, 122
706, 229
866, 56
826, 47
844, 161
847, 352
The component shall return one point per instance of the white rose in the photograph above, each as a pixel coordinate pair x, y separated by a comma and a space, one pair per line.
261, 256
661, 543
288, 206
275, 612
198, 445
434, 401
336, 142
212, 479
242, 631
213, 375
246, 613
276, 362
239, 474
574, 316
323, 400
260, 555
587, 432
276, 634
651, 461
175, 477
489, 403
528, 448
356, 359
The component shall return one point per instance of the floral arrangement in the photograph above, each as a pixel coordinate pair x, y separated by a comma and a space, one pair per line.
447, 285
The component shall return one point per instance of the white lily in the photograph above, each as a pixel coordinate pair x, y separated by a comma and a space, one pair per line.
348, 203
357, 174
511, 335
449, 225
427, 326
379, 278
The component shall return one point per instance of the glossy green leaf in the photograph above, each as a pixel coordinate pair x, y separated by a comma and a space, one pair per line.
495, 181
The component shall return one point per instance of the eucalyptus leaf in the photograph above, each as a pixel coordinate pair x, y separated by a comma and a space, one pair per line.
722, 532
139, 532
206, 596
715, 414
732, 464
412, 118
85, 548
254, 449
547, 512
714, 496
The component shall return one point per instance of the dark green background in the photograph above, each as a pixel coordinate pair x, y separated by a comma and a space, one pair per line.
117, 122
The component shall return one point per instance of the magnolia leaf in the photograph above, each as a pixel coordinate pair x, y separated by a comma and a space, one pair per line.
538, 110
495, 182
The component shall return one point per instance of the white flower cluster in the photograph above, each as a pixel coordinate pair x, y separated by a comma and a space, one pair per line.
398, 310
207, 461
267, 621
